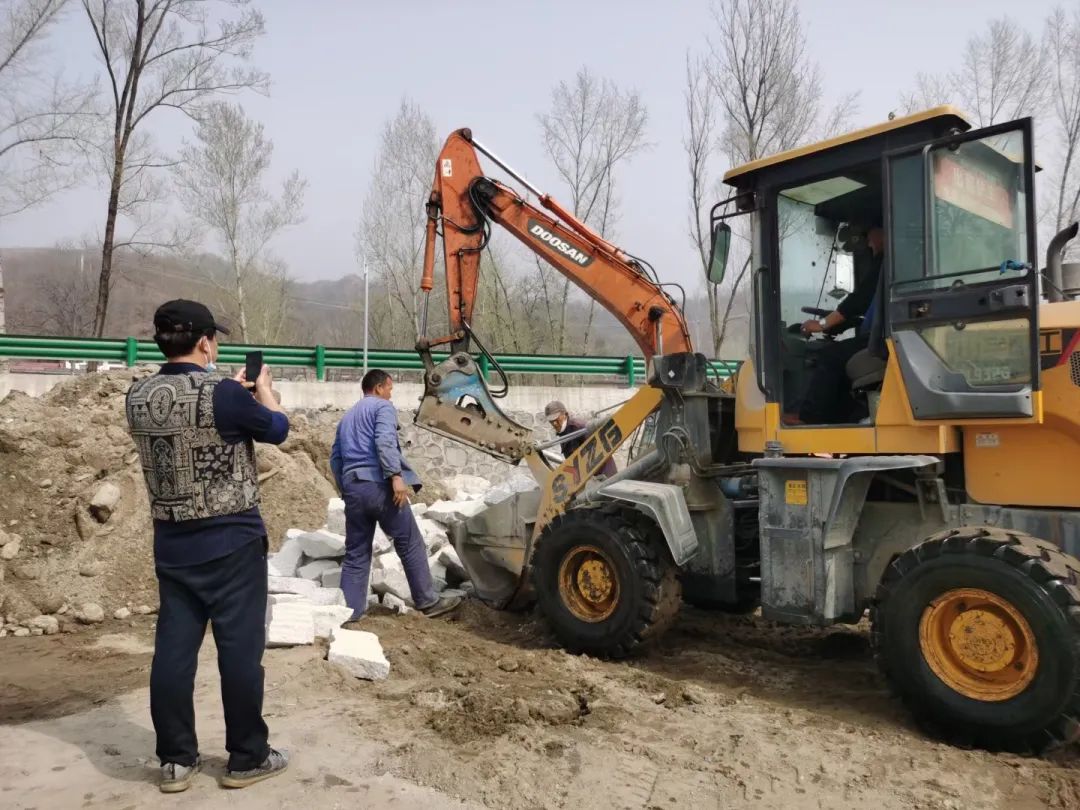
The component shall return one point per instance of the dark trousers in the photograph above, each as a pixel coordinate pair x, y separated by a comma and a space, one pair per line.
230, 593
828, 396
368, 503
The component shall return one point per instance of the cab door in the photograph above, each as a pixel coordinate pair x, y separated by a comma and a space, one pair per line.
962, 281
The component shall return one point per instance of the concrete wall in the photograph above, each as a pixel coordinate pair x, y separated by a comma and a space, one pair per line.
314, 395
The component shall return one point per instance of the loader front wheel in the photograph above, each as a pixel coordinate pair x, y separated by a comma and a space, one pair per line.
604, 581
978, 631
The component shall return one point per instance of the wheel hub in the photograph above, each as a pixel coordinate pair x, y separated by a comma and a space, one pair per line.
979, 644
588, 583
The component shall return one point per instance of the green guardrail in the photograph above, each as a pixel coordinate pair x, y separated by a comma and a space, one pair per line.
132, 351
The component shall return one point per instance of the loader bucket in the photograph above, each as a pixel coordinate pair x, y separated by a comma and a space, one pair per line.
494, 547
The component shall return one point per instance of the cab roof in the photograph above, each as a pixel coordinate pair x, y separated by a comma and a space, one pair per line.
945, 116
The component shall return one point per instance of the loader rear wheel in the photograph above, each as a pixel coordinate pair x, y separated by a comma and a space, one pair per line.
978, 631
604, 581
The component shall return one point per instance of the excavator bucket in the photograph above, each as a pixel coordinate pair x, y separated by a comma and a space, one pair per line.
457, 404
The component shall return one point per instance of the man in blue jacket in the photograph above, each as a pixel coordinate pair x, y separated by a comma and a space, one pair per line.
376, 482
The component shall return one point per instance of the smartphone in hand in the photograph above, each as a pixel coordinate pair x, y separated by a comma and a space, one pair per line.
253, 368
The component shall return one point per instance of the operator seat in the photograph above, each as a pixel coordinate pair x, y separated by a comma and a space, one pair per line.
865, 370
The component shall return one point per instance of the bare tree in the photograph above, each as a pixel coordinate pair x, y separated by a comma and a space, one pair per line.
1003, 75
699, 145
159, 55
43, 120
592, 128
222, 184
390, 236
1062, 45
770, 95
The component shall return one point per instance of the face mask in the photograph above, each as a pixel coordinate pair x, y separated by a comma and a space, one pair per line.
210, 366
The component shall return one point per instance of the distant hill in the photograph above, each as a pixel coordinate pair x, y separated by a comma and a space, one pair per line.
53, 291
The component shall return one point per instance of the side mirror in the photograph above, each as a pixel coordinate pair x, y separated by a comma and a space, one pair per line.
718, 255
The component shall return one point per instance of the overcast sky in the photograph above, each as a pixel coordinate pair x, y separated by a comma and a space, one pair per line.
340, 69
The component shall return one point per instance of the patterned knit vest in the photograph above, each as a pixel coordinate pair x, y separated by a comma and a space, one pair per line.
191, 471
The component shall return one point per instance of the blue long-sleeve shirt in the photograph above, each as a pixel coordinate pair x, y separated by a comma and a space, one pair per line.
238, 416
367, 447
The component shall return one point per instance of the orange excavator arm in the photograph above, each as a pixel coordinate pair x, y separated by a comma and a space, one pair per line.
464, 202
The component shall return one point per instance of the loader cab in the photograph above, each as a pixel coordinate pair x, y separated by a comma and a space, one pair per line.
940, 324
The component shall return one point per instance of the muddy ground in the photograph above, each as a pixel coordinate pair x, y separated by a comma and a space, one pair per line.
483, 711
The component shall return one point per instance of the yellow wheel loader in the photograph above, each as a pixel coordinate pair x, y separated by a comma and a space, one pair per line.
903, 439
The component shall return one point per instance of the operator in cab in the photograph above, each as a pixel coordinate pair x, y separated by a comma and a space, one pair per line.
828, 396
564, 424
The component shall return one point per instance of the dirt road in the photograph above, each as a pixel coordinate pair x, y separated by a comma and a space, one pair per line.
479, 711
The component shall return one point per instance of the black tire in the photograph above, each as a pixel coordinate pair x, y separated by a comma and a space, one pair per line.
1033, 576
648, 594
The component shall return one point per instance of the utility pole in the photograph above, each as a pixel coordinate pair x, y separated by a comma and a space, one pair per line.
364, 262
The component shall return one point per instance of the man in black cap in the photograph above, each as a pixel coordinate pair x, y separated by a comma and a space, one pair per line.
564, 424
195, 432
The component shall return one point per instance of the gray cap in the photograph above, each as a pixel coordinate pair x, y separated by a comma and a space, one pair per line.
553, 409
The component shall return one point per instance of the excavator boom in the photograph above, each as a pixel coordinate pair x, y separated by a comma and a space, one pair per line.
464, 201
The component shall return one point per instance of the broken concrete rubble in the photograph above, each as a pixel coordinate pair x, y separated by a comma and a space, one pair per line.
304, 587
359, 654
290, 624
327, 618
467, 487
335, 516
331, 578
385, 581
322, 544
316, 568
447, 512
286, 560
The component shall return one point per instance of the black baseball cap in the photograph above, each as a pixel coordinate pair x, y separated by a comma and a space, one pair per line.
185, 316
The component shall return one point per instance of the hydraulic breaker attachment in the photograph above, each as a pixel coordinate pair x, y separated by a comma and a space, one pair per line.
457, 404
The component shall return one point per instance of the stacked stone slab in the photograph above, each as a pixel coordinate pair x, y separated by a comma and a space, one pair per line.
306, 600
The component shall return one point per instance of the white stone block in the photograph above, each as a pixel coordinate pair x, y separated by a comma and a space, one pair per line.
329, 617
384, 582
331, 578
434, 534
388, 562
418, 509
325, 597
322, 544
281, 598
381, 544
316, 568
438, 574
291, 624
304, 587
447, 512
335, 516
512, 486
396, 604
455, 571
359, 653
285, 561
467, 487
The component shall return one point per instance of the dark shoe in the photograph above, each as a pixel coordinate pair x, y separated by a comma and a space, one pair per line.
443, 605
353, 624
275, 763
177, 778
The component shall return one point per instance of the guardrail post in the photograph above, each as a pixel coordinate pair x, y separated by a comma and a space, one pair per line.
484, 366
630, 374
320, 362
131, 351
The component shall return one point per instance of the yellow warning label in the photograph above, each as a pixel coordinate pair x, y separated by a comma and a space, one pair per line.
795, 493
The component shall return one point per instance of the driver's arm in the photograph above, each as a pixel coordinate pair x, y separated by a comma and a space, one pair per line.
833, 319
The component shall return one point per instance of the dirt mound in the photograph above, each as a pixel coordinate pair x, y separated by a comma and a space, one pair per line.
59, 451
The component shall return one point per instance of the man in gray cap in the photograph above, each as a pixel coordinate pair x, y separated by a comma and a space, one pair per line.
564, 424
